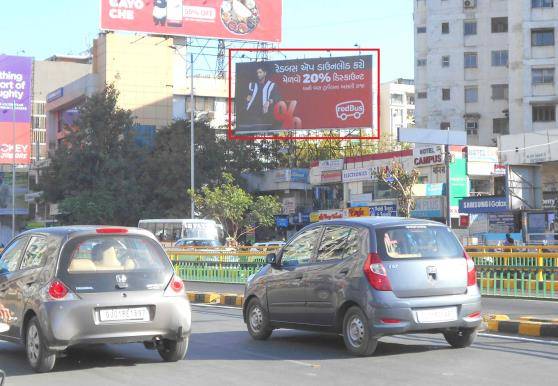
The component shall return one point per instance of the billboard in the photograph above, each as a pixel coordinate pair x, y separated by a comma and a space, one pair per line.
304, 94
255, 20
15, 90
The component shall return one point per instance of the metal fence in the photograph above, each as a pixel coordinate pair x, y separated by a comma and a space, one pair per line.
515, 271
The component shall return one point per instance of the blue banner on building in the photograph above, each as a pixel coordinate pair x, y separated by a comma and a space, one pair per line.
483, 205
282, 221
384, 210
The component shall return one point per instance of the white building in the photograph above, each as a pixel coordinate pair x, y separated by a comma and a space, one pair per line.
486, 66
397, 107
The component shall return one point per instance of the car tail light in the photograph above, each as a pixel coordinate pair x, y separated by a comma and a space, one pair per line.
57, 290
175, 287
111, 230
376, 273
471, 271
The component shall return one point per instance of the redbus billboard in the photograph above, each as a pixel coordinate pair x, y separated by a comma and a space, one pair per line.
15, 91
254, 20
304, 94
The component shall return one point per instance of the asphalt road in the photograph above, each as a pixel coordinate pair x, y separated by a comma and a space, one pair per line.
222, 353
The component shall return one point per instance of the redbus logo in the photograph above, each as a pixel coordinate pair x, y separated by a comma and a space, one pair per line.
348, 109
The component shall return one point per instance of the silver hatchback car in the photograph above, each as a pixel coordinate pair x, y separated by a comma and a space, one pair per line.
90, 284
367, 278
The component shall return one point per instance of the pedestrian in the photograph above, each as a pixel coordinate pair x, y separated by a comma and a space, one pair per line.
4, 314
509, 240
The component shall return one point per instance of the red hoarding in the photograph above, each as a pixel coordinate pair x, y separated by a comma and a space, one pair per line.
255, 20
305, 94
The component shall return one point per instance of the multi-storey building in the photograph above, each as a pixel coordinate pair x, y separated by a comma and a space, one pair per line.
397, 107
485, 66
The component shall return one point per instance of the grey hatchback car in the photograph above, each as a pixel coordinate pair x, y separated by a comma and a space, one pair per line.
91, 284
366, 278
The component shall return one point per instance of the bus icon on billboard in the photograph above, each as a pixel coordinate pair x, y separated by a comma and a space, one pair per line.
348, 109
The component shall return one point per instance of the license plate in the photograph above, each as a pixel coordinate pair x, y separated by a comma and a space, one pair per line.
138, 314
437, 315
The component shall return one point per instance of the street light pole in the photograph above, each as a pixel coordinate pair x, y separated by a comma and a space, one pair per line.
192, 164
13, 166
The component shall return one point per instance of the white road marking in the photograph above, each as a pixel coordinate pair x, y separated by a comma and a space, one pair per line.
549, 342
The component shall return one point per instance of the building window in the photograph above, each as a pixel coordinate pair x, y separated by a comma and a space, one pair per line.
421, 62
421, 30
445, 28
544, 113
445, 61
421, 95
444, 125
396, 99
499, 24
542, 37
471, 60
472, 127
38, 108
499, 91
410, 99
542, 3
501, 126
446, 94
469, 27
500, 58
542, 75
471, 94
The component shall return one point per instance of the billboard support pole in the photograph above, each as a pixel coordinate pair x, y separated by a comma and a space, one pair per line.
13, 166
192, 166
448, 196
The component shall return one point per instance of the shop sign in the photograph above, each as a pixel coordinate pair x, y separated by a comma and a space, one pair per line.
326, 215
482, 154
282, 221
429, 207
361, 211
363, 199
352, 175
428, 155
499, 170
483, 205
331, 164
331, 176
384, 210
423, 190
501, 223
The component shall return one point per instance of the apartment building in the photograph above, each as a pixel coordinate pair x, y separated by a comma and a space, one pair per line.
486, 66
397, 106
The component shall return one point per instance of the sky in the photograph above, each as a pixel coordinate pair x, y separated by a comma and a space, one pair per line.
42, 28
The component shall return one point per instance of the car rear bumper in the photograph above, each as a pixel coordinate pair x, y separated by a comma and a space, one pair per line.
397, 316
75, 322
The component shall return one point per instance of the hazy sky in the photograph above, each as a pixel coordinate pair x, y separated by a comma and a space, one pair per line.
42, 28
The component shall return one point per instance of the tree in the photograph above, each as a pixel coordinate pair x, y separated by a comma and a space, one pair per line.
94, 174
402, 182
234, 208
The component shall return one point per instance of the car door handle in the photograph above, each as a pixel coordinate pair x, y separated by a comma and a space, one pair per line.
30, 281
344, 272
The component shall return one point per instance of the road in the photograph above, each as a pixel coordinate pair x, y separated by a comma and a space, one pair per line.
222, 353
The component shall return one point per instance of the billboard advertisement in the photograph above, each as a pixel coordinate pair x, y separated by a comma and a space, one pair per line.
304, 94
255, 20
15, 91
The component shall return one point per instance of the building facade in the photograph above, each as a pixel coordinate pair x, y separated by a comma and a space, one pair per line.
397, 107
485, 66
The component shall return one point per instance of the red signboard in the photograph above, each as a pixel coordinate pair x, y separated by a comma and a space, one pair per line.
305, 94
257, 20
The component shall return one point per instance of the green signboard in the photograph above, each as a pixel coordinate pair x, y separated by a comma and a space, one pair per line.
459, 185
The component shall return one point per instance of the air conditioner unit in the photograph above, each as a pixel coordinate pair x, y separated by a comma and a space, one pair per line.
469, 3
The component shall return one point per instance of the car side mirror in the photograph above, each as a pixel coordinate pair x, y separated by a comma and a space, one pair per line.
271, 258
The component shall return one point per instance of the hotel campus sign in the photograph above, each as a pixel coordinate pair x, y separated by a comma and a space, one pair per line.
428, 155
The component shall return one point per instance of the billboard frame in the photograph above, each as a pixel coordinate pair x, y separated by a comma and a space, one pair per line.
230, 131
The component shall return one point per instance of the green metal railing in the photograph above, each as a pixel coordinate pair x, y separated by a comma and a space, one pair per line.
217, 266
517, 271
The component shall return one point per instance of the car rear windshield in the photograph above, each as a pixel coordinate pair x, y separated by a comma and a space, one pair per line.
417, 241
115, 253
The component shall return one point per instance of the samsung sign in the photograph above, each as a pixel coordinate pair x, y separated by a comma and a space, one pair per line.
351, 175
483, 205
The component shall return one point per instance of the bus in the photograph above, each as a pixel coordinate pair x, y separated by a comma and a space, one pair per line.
172, 230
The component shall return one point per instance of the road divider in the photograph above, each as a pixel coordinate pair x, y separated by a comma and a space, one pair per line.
216, 298
525, 325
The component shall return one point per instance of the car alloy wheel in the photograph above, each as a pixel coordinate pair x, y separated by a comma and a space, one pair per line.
33, 345
256, 319
356, 331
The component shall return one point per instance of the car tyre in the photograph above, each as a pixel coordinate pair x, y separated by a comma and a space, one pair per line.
461, 338
356, 333
40, 359
257, 321
172, 350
